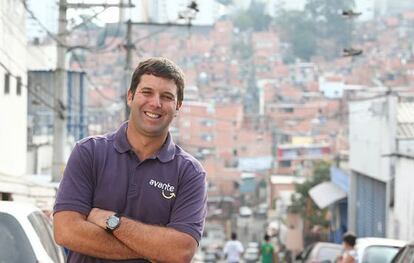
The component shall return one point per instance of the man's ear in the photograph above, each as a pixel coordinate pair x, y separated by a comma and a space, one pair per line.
129, 97
179, 104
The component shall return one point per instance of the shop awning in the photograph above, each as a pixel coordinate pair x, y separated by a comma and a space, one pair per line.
326, 193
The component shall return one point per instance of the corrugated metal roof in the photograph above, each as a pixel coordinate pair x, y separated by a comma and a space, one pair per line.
405, 118
405, 112
405, 130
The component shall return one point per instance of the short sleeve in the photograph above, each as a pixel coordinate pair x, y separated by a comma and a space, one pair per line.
75, 191
190, 207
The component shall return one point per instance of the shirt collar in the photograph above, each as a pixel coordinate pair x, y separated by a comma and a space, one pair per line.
167, 151
121, 144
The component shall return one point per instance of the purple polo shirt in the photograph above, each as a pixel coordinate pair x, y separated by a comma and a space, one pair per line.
168, 189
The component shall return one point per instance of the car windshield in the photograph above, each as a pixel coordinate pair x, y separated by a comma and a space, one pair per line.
14, 244
379, 254
329, 253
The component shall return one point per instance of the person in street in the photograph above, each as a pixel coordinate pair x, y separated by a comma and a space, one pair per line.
349, 254
267, 251
233, 249
133, 195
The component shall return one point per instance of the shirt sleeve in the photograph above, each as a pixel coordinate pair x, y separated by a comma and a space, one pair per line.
75, 191
190, 207
240, 247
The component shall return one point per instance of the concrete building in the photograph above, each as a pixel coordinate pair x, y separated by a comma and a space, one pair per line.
14, 184
13, 91
41, 110
381, 139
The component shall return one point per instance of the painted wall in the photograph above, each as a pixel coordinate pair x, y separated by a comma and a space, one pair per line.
402, 217
13, 107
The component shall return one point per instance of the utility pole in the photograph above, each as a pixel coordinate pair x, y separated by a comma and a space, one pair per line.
60, 90
59, 129
129, 46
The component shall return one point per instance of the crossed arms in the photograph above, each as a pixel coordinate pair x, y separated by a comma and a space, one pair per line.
131, 240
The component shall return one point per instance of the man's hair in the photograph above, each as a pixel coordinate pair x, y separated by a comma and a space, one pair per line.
349, 238
159, 67
266, 237
233, 236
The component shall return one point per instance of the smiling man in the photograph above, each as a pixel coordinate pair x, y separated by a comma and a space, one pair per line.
133, 195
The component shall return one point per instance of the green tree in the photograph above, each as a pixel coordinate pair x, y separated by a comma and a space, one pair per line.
333, 30
318, 30
254, 18
301, 200
297, 30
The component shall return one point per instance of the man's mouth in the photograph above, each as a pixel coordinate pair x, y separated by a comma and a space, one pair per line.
152, 115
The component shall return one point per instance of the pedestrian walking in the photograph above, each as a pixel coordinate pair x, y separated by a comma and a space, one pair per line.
349, 254
267, 251
233, 250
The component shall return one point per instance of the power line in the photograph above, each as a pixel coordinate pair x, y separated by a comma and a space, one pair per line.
33, 16
96, 88
45, 103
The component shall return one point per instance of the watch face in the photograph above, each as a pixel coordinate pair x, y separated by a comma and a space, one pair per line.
113, 222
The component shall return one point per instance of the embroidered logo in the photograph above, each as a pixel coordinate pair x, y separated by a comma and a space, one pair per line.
167, 189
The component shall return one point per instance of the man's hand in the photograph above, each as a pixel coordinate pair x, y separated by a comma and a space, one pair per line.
99, 216
148, 240
73, 231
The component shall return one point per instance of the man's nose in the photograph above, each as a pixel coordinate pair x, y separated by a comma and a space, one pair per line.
156, 101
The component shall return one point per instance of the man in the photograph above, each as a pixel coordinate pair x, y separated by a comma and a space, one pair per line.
267, 251
349, 255
233, 249
133, 194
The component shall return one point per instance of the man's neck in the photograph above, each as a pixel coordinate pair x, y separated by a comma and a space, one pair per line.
144, 146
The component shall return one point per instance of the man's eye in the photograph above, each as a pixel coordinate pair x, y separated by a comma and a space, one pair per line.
146, 92
168, 97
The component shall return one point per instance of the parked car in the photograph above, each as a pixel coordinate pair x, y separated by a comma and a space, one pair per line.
320, 252
405, 254
245, 211
377, 250
26, 235
251, 255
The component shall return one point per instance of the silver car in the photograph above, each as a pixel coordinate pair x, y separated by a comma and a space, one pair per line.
26, 235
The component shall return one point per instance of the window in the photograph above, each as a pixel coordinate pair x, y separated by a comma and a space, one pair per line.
207, 137
43, 229
380, 254
18, 85
285, 164
7, 83
14, 243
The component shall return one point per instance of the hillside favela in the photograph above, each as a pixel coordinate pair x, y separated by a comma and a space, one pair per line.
228, 131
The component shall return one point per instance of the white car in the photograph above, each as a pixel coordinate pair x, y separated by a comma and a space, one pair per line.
377, 250
251, 255
26, 235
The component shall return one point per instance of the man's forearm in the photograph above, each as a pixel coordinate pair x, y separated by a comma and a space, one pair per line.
76, 234
157, 243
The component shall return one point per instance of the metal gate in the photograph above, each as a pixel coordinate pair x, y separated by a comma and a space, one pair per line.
370, 207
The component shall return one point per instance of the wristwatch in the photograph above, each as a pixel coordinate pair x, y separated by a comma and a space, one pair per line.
113, 222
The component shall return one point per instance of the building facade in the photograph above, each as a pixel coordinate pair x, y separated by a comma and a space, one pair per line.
13, 92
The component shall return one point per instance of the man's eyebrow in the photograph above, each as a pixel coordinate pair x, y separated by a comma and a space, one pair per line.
169, 93
145, 88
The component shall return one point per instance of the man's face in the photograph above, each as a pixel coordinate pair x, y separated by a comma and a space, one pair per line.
153, 106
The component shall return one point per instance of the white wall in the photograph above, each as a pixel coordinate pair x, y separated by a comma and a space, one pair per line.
402, 218
13, 107
42, 57
371, 137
